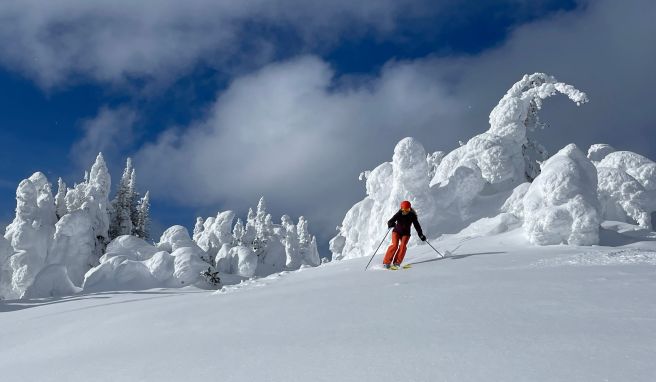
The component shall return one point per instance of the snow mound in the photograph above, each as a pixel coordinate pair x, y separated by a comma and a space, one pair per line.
492, 226
561, 204
119, 273
188, 264
132, 264
52, 281
173, 238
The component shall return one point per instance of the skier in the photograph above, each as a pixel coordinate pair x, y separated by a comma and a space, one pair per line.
401, 235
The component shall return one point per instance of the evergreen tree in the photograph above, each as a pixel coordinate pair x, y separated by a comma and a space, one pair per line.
142, 226
238, 233
135, 198
121, 218
198, 228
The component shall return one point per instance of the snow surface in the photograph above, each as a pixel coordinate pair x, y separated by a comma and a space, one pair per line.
496, 309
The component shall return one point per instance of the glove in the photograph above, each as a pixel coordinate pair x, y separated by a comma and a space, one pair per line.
390, 224
422, 237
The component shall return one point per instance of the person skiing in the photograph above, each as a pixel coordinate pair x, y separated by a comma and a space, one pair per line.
401, 222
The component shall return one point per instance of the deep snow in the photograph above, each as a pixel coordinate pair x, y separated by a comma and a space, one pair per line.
496, 309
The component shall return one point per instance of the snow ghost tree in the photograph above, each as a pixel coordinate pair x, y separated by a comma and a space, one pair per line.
60, 199
142, 227
258, 247
627, 185
561, 205
445, 188
129, 213
30, 234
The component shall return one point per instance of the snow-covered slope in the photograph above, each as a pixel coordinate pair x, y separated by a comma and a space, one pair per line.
496, 309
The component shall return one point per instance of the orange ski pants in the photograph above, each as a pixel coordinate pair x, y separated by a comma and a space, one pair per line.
396, 251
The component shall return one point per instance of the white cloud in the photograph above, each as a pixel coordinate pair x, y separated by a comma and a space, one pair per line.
111, 131
290, 133
56, 42
299, 136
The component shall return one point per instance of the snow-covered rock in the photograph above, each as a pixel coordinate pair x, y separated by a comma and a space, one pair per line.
561, 204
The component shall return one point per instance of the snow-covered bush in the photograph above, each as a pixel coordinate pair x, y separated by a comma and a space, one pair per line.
561, 204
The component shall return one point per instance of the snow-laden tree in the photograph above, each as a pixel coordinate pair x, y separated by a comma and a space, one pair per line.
291, 243
491, 163
561, 204
198, 228
29, 234
433, 161
307, 244
134, 202
627, 185
142, 227
121, 210
60, 199
217, 232
86, 221
238, 232
6, 251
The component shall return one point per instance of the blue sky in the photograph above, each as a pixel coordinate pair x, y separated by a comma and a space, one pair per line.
221, 102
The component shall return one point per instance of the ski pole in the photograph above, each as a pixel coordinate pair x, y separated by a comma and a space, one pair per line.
438, 252
381, 243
